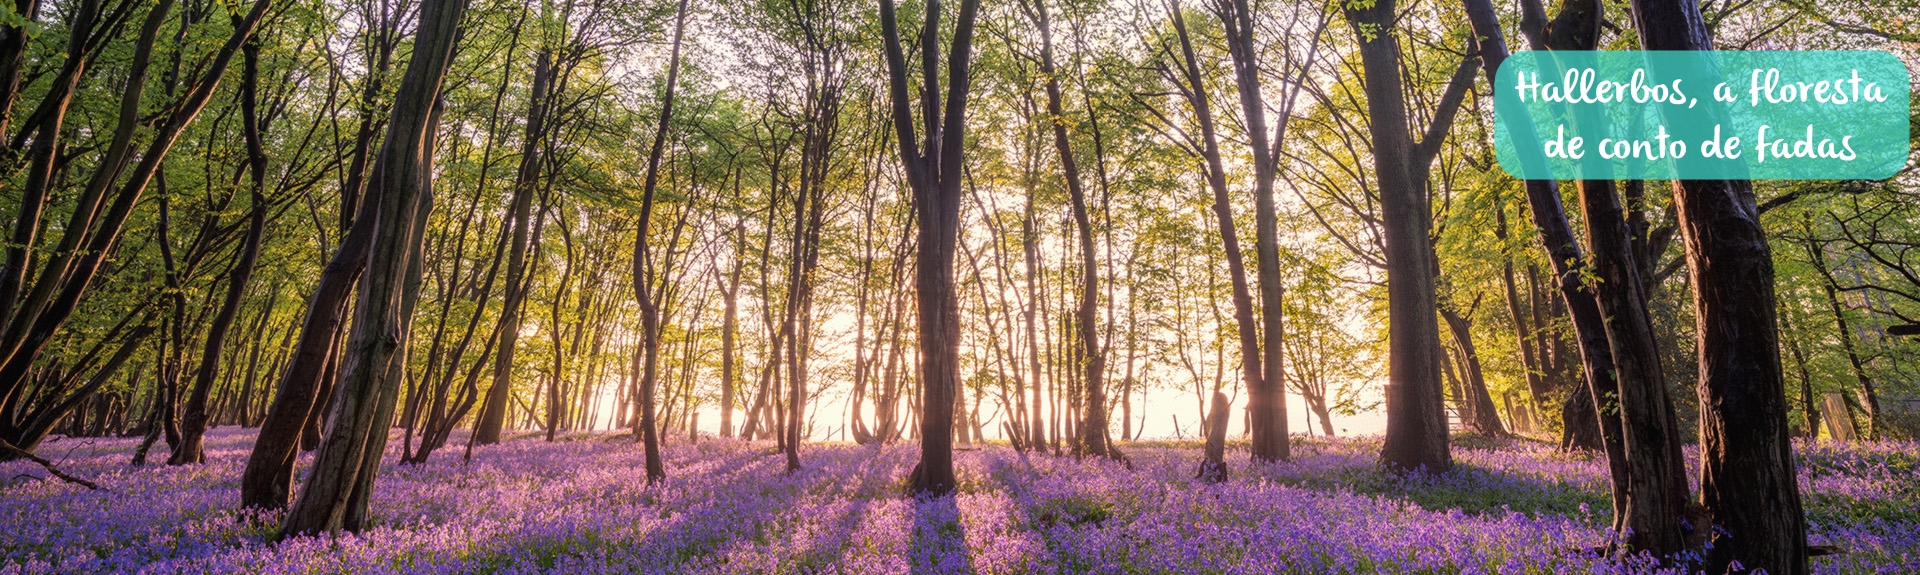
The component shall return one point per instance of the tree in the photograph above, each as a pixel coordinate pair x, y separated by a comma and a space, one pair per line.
336, 493
297, 406
1093, 436
35, 313
1416, 420
934, 173
193, 424
1267, 399
1747, 477
1192, 85
647, 430
493, 413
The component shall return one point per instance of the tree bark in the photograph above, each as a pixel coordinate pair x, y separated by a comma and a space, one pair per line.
934, 173
1747, 476
1416, 435
343, 469
648, 431
1657, 491
1556, 234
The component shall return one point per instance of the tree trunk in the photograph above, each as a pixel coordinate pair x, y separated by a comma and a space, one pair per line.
519, 213
1858, 367
934, 173
1538, 392
1543, 197
730, 324
1093, 433
1266, 397
1473, 384
648, 431
1747, 476
1657, 491
193, 423
1251, 372
1214, 468
335, 495
306, 383
1809, 412
1416, 435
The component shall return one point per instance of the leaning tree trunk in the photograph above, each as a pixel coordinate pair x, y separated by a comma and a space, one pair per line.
293, 415
1652, 516
1656, 490
1473, 383
356, 434
1831, 288
1543, 199
1251, 373
1747, 476
267, 482
493, 413
193, 423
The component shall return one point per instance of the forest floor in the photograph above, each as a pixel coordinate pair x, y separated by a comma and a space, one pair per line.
580, 505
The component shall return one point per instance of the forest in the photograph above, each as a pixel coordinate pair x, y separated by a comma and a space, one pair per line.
886, 286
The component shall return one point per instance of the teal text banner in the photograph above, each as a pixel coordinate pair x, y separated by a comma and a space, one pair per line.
1762, 115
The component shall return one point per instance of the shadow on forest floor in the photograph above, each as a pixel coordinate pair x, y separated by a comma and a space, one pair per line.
939, 543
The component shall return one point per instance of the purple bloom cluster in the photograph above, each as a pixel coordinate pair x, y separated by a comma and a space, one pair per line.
581, 506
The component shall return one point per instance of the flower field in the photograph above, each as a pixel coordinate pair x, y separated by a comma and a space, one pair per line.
580, 506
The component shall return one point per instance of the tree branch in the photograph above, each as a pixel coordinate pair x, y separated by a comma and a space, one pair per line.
48, 465
1429, 144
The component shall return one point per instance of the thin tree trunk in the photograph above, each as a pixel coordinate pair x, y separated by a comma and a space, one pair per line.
1858, 367
519, 212
1809, 411
1093, 433
1537, 390
729, 325
1579, 413
193, 423
1267, 404
642, 266
1473, 384
1251, 372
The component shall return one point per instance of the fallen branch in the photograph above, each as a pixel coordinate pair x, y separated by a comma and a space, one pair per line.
9, 448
